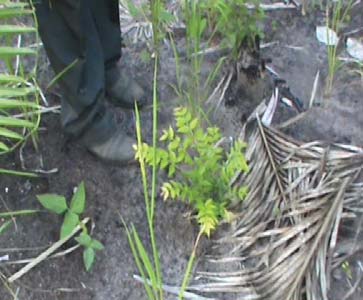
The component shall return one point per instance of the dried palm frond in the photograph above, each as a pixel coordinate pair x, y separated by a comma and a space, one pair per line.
282, 245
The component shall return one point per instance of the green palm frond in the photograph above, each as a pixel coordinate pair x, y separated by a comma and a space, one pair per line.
19, 117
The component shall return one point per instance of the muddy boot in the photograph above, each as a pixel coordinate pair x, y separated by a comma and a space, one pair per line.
122, 90
118, 148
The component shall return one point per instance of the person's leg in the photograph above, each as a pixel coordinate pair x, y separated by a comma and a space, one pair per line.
70, 38
107, 20
120, 88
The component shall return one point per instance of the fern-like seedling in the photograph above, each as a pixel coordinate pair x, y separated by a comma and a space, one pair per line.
199, 169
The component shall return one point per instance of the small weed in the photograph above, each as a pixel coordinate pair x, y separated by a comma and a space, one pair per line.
234, 22
338, 16
190, 156
229, 23
58, 204
347, 269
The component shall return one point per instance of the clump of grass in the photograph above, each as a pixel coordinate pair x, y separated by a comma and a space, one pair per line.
335, 17
149, 268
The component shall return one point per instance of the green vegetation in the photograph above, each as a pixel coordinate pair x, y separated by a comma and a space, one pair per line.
19, 100
235, 24
190, 156
58, 205
5, 216
232, 25
336, 15
149, 266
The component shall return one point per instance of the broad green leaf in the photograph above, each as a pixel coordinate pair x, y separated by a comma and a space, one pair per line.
16, 92
15, 29
6, 52
78, 199
54, 203
10, 134
84, 239
71, 220
88, 258
4, 226
96, 245
3, 147
14, 122
12, 103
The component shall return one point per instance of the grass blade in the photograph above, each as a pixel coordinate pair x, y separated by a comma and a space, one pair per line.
4, 226
15, 29
17, 173
145, 260
25, 212
16, 92
14, 122
6, 78
11, 103
10, 134
138, 261
13, 12
3, 147
7, 52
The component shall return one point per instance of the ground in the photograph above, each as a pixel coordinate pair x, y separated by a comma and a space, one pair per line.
114, 191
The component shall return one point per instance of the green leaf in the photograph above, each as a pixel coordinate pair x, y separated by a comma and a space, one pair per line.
243, 192
134, 11
71, 220
6, 52
6, 78
17, 173
4, 147
194, 123
4, 226
145, 258
11, 214
12, 103
15, 29
88, 258
78, 199
14, 122
166, 17
10, 134
16, 92
53, 202
84, 239
12, 12
96, 245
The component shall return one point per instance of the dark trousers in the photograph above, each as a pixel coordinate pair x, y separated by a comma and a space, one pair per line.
82, 39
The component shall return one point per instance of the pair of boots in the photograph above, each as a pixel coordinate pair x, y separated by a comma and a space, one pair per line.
122, 91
